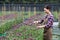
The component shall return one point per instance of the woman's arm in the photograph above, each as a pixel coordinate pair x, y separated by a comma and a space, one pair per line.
49, 24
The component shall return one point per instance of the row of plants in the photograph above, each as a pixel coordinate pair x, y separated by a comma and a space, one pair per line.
26, 33
8, 25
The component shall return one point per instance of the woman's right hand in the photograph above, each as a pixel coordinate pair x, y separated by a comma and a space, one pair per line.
35, 22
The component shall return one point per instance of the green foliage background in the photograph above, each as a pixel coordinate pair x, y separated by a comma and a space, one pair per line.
29, 1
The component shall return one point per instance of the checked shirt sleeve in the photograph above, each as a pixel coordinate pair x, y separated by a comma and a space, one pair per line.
42, 20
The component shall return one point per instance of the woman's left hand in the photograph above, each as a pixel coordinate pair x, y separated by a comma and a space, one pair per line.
41, 26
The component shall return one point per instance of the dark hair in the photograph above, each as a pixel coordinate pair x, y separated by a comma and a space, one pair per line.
47, 7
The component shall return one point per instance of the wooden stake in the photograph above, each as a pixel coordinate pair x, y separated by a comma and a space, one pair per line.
23, 13
29, 12
34, 10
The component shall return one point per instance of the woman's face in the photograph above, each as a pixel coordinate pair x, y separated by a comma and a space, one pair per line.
46, 10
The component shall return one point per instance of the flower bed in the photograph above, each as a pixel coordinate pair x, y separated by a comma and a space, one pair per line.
26, 33
8, 25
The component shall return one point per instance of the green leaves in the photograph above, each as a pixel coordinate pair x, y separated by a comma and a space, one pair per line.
30, 1
5, 27
27, 32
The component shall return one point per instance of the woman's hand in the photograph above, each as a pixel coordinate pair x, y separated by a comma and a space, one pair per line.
36, 22
41, 26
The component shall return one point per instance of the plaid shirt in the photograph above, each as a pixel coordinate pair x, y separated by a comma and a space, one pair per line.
49, 22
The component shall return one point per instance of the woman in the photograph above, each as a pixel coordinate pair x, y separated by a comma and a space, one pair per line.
47, 23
